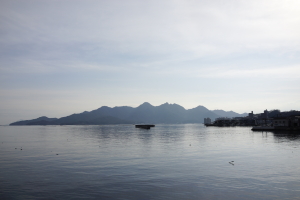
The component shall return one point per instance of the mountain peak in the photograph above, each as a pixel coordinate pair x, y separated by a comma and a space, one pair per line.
165, 104
43, 117
145, 105
200, 108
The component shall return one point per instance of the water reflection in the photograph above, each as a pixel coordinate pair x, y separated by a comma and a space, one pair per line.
283, 135
185, 161
291, 135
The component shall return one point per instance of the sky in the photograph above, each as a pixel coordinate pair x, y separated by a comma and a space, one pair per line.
61, 57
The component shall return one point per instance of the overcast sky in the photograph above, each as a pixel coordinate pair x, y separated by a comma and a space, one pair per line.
60, 57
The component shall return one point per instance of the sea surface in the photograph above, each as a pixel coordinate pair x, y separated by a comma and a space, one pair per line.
185, 161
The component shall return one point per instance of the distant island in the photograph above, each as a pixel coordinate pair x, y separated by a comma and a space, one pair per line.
145, 113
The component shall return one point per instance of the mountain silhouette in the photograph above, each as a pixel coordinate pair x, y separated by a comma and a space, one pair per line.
229, 113
41, 120
145, 113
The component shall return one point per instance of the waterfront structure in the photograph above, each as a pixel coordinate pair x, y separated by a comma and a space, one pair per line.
291, 123
280, 121
266, 114
251, 115
268, 120
236, 121
207, 120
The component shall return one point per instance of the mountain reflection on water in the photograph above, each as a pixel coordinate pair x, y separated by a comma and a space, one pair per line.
179, 161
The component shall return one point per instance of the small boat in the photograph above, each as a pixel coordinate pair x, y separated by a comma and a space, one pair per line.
144, 126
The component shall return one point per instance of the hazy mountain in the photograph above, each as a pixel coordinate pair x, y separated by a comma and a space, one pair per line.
95, 121
230, 114
145, 113
43, 119
197, 115
170, 113
165, 113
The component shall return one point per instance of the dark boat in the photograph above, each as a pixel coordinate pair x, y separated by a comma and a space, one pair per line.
144, 126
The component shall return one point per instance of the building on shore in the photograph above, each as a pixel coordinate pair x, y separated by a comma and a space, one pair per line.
280, 121
207, 120
237, 121
251, 115
289, 120
287, 123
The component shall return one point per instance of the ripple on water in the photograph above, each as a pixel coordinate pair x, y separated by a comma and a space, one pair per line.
187, 161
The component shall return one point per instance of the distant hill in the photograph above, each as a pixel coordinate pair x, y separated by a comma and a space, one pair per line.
40, 120
145, 113
230, 114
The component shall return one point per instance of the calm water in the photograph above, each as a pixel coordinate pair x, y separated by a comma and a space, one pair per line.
166, 162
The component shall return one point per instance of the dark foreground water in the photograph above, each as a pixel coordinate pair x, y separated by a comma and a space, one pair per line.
166, 162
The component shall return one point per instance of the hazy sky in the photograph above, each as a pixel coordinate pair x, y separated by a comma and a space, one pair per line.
60, 57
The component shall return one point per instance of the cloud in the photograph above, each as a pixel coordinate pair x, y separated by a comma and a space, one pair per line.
197, 27
170, 47
283, 72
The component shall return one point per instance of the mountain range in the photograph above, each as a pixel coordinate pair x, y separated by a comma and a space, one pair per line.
145, 113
